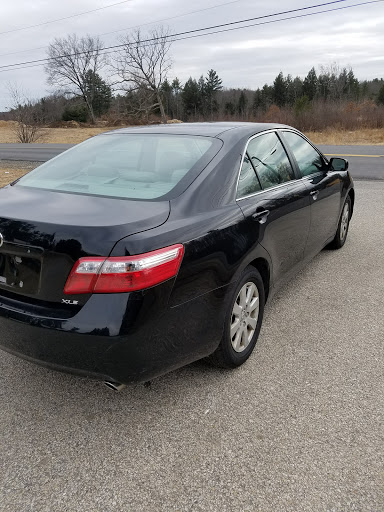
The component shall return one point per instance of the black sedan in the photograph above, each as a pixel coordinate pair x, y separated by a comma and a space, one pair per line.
144, 249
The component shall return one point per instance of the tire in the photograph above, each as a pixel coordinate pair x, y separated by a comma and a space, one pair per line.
245, 310
343, 226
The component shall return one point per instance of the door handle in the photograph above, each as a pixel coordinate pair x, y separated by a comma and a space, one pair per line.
314, 194
261, 216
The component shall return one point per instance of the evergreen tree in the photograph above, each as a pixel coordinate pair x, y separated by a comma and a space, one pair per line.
310, 84
191, 97
242, 104
262, 98
166, 95
280, 90
363, 89
229, 108
176, 91
342, 86
324, 85
296, 90
78, 113
380, 96
257, 101
98, 91
213, 84
203, 108
176, 86
290, 90
266, 96
353, 89
302, 105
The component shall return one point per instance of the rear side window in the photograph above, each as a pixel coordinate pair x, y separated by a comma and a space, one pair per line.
248, 181
270, 160
308, 159
135, 166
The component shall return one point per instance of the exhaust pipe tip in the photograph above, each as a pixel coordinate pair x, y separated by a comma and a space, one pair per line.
115, 386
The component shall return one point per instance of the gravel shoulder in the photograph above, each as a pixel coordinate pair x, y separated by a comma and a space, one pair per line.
298, 428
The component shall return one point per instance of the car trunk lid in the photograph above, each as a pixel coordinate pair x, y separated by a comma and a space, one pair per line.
44, 233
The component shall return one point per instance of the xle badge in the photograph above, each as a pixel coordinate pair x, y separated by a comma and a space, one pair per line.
67, 301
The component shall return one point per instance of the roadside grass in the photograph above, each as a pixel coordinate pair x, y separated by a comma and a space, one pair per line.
333, 136
56, 135
75, 135
7, 175
10, 172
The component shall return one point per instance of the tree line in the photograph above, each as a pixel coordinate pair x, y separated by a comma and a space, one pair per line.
140, 89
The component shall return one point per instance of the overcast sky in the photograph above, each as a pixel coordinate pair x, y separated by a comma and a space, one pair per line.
243, 58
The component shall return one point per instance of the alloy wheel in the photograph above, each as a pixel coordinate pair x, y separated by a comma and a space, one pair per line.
344, 221
245, 314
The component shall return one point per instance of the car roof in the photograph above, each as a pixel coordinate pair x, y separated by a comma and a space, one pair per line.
205, 129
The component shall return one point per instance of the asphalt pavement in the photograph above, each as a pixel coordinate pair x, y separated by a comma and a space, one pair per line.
31, 152
298, 428
365, 162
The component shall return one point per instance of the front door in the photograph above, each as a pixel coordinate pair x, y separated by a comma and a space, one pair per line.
324, 189
275, 203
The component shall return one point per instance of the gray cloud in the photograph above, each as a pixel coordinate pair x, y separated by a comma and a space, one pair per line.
242, 58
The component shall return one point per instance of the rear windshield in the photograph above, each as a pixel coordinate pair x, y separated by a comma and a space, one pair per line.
135, 166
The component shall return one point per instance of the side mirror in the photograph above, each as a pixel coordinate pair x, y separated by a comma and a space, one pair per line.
338, 164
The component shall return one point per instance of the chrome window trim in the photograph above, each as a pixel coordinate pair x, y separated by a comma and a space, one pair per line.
242, 161
281, 185
311, 176
286, 184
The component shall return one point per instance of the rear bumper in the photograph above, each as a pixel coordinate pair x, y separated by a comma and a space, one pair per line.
117, 337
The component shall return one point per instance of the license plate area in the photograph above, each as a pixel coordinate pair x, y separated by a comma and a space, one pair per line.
20, 269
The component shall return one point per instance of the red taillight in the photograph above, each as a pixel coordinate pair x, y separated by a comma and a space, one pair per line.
124, 274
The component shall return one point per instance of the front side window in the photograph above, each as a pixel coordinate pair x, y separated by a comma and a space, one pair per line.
134, 166
270, 160
308, 159
248, 181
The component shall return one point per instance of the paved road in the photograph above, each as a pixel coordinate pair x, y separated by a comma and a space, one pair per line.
298, 428
366, 162
31, 152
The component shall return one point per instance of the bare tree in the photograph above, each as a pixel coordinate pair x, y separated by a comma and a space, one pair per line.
142, 64
139, 102
70, 59
26, 114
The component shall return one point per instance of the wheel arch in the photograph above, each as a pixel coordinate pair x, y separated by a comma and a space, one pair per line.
262, 266
351, 194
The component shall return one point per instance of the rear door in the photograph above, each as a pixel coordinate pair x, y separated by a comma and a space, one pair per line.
324, 189
275, 203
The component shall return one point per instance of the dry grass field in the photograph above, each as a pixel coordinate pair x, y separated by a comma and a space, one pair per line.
66, 135
7, 175
69, 135
10, 171
365, 136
